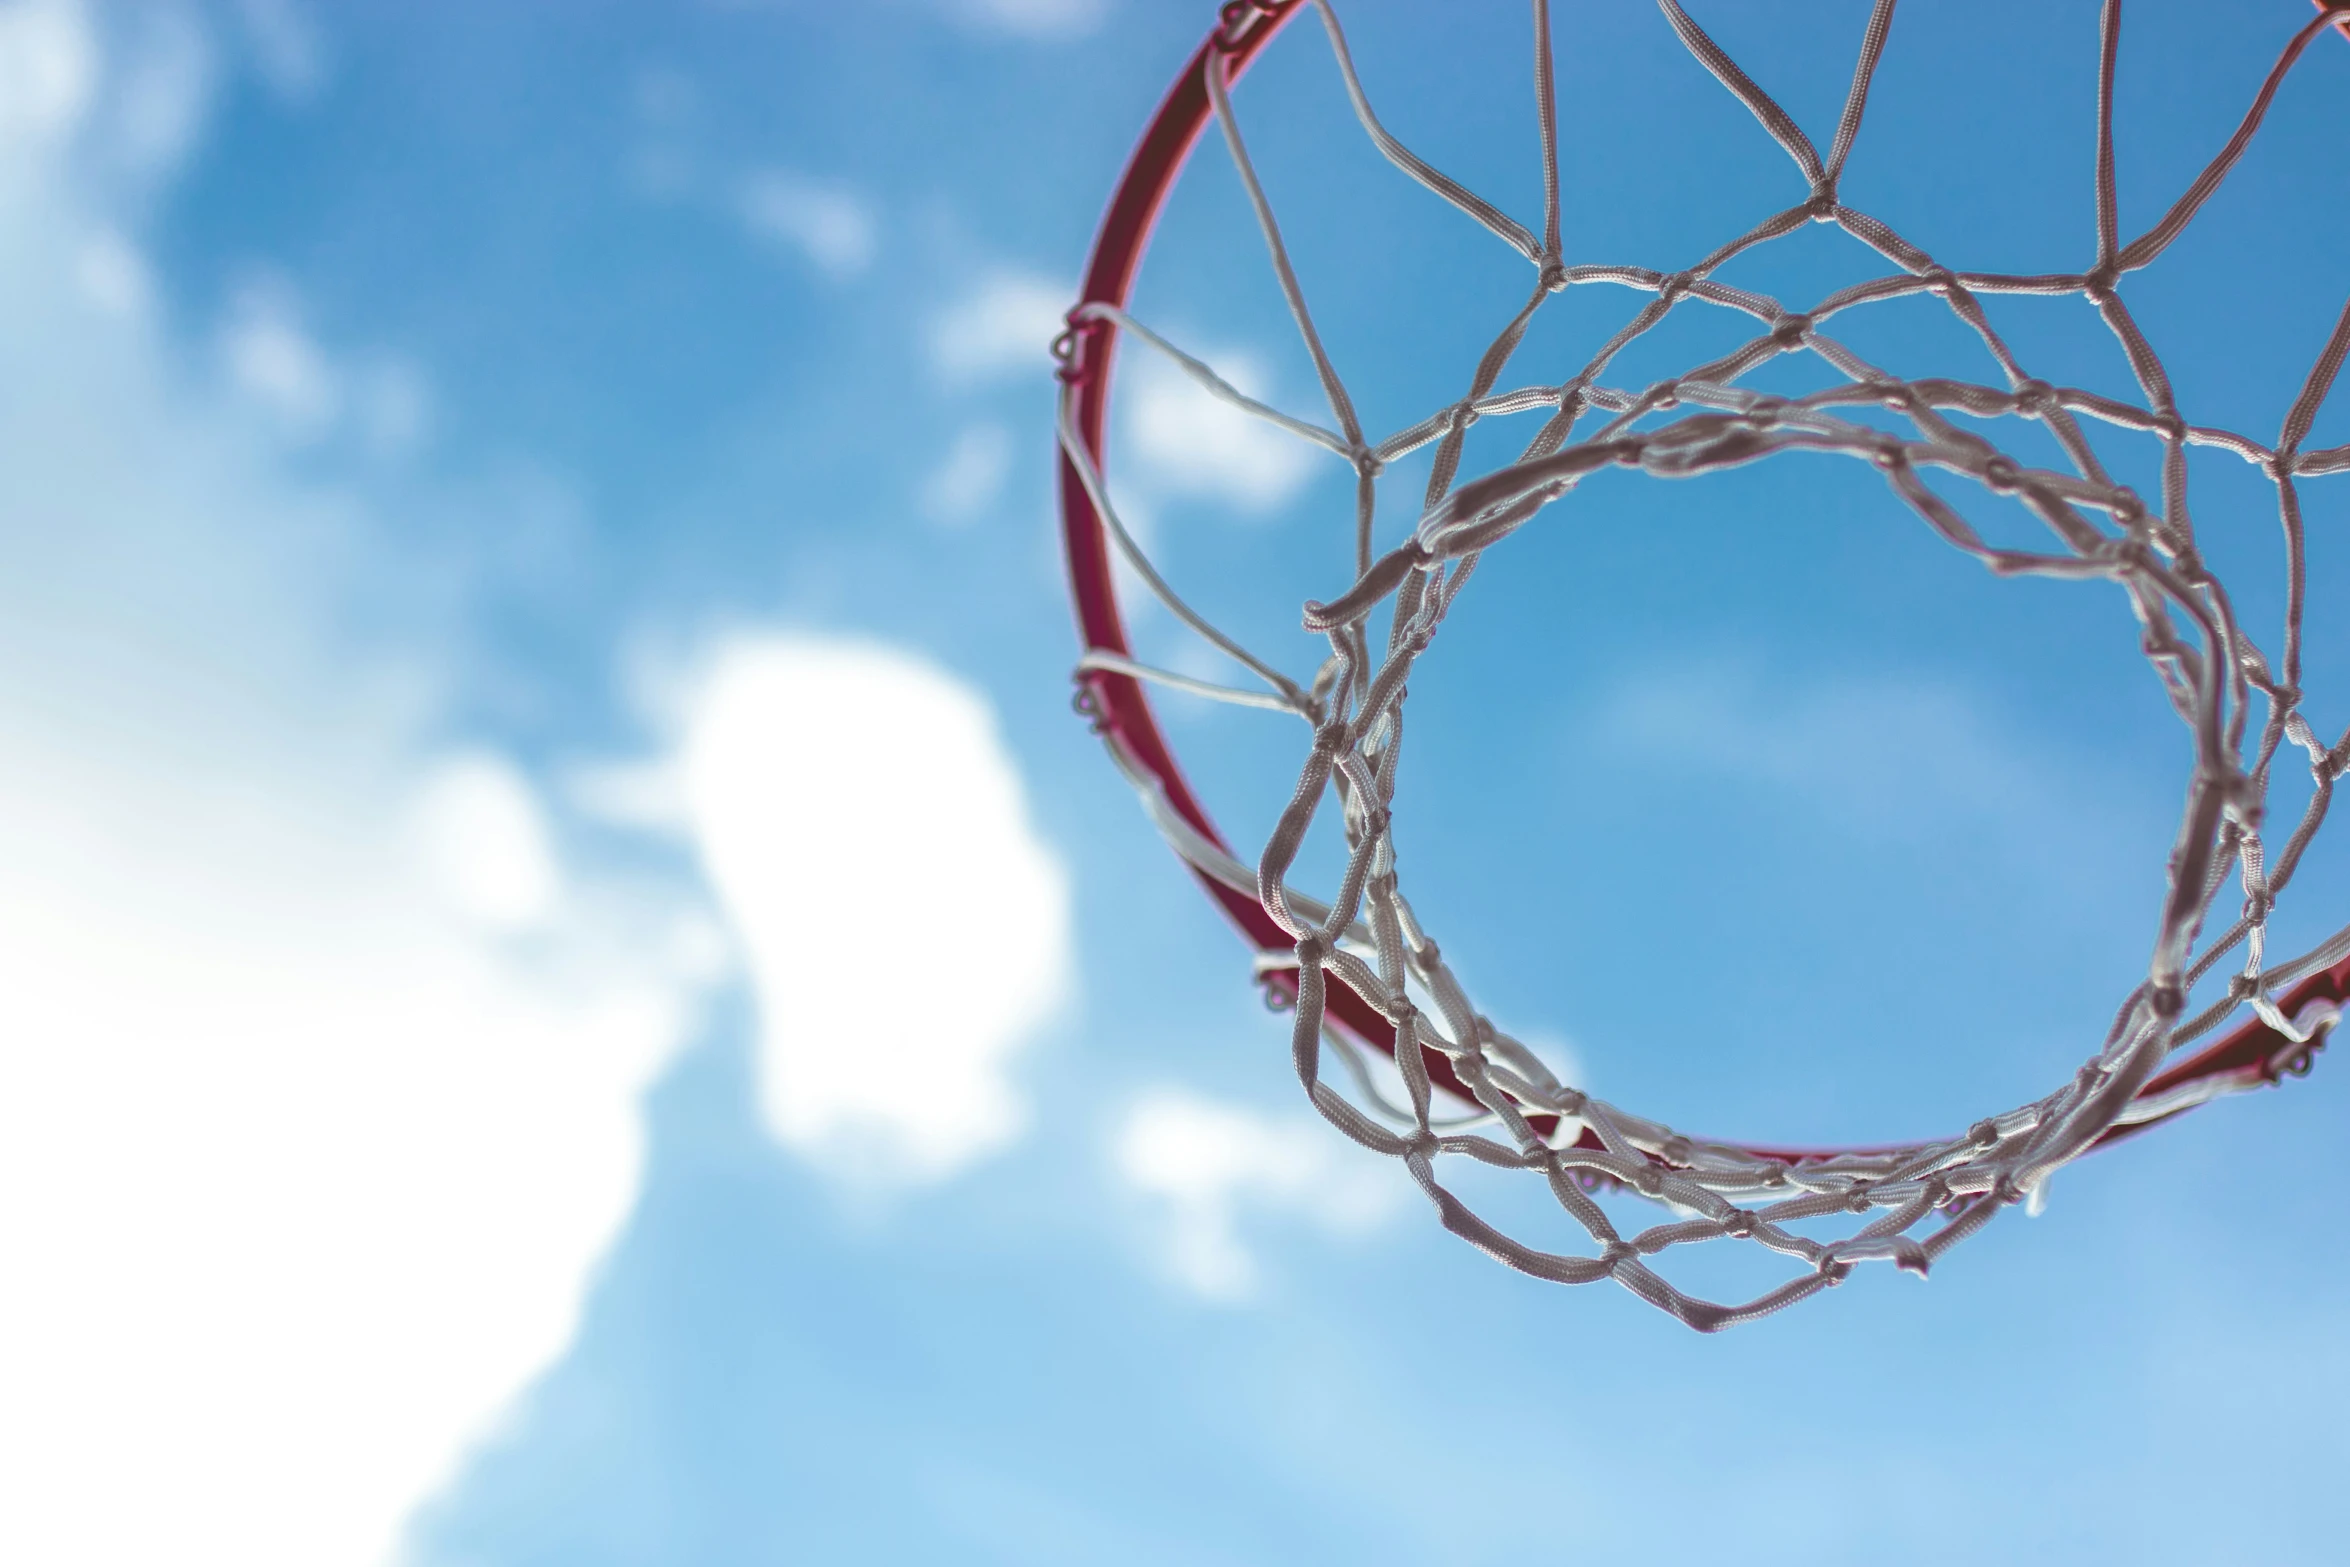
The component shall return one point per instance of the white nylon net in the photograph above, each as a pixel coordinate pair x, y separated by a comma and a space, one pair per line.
2240, 704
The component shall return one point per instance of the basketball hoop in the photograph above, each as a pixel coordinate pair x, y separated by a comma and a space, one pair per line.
1355, 963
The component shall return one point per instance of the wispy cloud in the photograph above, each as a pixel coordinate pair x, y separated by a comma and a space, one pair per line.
827, 222
270, 355
1204, 1164
1886, 755
823, 221
161, 64
970, 477
272, 359
665, 108
905, 928
1187, 442
114, 276
286, 47
1031, 18
48, 71
1004, 327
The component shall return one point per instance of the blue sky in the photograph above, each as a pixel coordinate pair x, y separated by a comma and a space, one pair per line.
571, 991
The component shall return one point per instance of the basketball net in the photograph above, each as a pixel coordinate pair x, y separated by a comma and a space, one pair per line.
1357, 955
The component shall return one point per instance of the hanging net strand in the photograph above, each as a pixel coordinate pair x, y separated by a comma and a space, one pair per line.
2242, 709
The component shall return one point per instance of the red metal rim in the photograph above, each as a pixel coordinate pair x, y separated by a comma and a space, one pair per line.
1120, 708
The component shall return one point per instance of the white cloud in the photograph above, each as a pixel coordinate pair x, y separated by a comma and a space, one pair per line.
905, 929
114, 276
484, 840
971, 476
48, 71
1006, 326
270, 358
131, 97
268, 354
1204, 1163
1032, 18
302, 1182
828, 223
302, 1171
1190, 443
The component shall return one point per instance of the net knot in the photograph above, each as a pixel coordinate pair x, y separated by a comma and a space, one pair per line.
1312, 948
1086, 702
2167, 999
1764, 413
2169, 425
1836, 1269
1673, 285
1618, 1253
1070, 365
1984, 1133
2033, 398
2099, 285
2001, 475
1554, 275
1738, 1222
1822, 206
2129, 555
1791, 331
2245, 801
